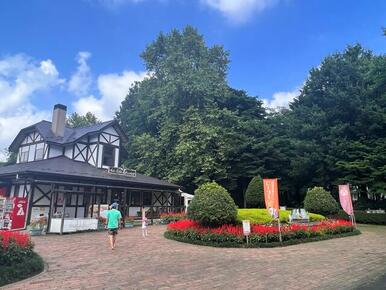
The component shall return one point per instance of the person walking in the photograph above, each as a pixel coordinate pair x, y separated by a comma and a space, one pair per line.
113, 219
144, 223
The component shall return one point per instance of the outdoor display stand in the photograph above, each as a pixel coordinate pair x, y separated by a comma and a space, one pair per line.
71, 225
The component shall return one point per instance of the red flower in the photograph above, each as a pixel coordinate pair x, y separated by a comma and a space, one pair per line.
20, 239
237, 230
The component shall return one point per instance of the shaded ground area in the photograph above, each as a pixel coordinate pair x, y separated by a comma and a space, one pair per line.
84, 261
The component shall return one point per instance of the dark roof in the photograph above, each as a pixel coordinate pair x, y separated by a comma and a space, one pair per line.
65, 167
70, 134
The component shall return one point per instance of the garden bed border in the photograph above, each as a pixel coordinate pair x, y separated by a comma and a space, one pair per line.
169, 235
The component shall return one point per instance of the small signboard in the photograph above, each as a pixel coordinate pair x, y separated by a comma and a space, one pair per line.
246, 227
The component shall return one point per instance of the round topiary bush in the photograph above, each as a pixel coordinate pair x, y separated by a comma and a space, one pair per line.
212, 206
254, 195
320, 201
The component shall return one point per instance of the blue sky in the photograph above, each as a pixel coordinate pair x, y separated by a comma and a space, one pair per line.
85, 53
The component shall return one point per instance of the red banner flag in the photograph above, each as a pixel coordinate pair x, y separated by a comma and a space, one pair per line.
345, 199
271, 196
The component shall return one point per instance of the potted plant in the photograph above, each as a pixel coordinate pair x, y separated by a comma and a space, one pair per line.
38, 226
129, 222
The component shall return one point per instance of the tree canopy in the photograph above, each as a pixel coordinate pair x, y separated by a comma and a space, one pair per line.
76, 120
187, 125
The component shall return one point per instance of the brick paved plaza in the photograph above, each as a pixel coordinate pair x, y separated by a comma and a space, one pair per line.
84, 261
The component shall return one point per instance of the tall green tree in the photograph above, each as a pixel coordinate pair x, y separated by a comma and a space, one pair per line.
338, 122
254, 195
185, 123
76, 120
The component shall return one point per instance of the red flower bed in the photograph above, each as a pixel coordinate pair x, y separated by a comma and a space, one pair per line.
191, 230
19, 239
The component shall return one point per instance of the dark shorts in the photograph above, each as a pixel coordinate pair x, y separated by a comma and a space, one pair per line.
113, 232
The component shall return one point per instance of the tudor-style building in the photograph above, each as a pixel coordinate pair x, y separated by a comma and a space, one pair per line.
67, 174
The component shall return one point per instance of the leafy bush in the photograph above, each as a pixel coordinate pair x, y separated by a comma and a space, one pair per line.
362, 217
212, 205
261, 216
320, 201
17, 259
29, 266
254, 195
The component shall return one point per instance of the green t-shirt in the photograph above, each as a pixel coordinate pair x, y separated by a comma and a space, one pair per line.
113, 217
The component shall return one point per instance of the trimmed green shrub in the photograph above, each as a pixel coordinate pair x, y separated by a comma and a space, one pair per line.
362, 217
261, 216
17, 258
27, 267
212, 206
254, 195
320, 201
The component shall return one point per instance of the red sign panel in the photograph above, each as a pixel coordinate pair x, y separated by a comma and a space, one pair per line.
19, 213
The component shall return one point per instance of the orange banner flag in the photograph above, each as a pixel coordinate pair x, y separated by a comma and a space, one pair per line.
271, 196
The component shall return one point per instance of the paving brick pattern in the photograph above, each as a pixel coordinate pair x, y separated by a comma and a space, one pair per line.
84, 261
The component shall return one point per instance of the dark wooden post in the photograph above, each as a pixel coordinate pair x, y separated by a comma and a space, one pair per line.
99, 206
52, 207
129, 203
63, 212
30, 203
77, 202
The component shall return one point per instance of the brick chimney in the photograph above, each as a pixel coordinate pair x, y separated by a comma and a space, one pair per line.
59, 120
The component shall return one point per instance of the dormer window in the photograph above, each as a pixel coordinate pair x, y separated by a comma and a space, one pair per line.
108, 156
39, 153
24, 154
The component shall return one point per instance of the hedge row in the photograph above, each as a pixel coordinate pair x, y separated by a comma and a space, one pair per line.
261, 216
362, 217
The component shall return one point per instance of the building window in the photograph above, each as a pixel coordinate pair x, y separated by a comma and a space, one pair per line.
24, 154
147, 198
39, 153
108, 156
135, 198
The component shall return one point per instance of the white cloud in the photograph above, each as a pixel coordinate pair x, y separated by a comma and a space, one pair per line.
112, 89
21, 77
281, 99
81, 80
239, 11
